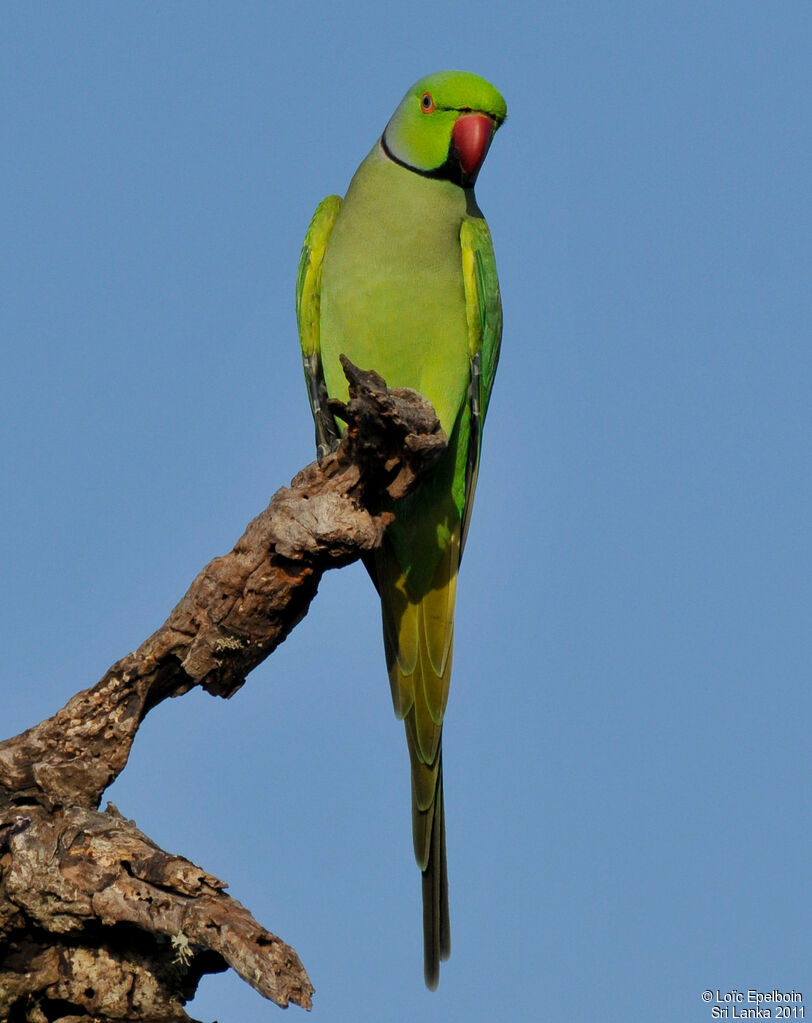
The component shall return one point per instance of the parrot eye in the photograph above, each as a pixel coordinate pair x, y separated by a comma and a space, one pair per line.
426, 103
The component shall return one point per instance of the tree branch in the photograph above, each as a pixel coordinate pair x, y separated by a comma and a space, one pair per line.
95, 920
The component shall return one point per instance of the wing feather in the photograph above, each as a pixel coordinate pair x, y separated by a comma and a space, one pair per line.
483, 310
308, 318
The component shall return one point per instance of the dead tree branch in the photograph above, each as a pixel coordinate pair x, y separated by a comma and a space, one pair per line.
96, 922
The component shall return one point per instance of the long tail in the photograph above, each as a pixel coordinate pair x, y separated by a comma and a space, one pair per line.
428, 826
418, 636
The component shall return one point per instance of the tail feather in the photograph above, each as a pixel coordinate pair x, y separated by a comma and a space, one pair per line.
436, 924
418, 636
437, 621
428, 832
400, 632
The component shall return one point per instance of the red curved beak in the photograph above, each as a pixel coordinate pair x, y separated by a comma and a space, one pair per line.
471, 138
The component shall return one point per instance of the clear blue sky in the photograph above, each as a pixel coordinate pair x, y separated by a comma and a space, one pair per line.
627, 742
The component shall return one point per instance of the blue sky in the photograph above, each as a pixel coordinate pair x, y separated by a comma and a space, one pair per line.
627, 742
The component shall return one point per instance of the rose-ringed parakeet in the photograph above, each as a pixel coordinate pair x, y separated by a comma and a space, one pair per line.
400, 277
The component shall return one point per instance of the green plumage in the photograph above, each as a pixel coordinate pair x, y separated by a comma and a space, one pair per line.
400, 277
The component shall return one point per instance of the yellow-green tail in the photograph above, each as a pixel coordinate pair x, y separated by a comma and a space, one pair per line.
418, 636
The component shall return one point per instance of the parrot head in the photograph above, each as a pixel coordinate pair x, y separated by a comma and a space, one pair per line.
444, 126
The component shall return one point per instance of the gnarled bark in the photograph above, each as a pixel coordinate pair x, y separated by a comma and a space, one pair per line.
96, 922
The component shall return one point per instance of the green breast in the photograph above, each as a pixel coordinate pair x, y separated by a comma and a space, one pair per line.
392, 295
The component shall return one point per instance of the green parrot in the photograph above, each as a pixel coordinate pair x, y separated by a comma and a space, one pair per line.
400, 277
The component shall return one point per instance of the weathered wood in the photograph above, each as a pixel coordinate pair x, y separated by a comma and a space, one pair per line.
97, 922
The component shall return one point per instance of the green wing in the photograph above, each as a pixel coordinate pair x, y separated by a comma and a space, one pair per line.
483, 308
308, 315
